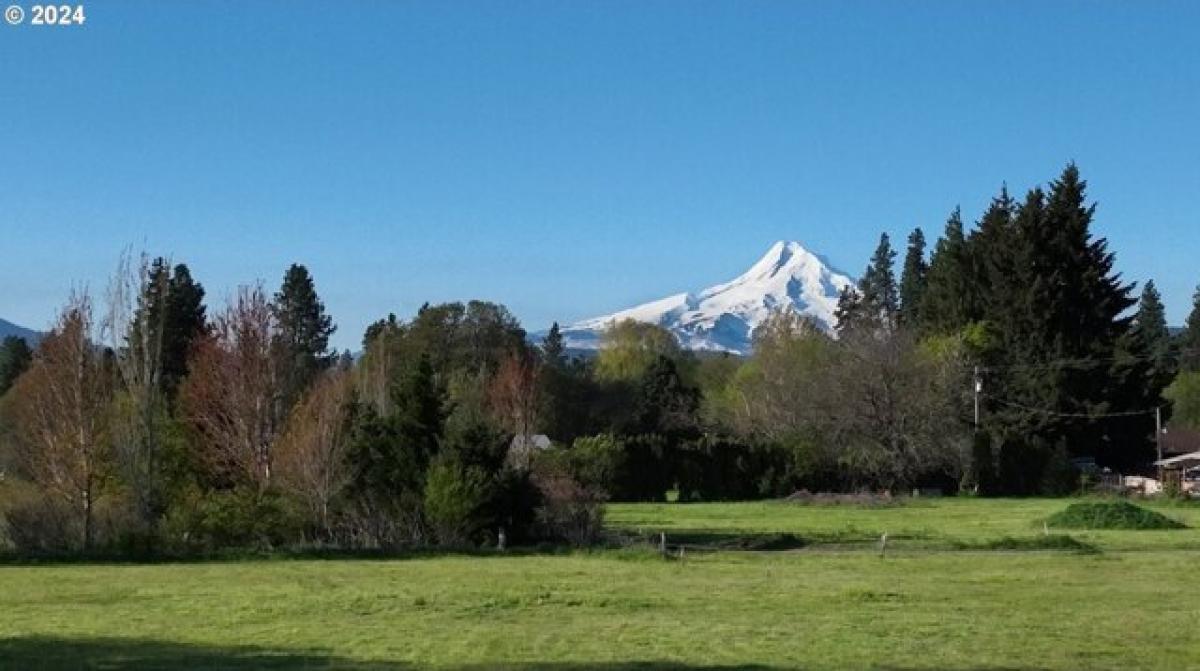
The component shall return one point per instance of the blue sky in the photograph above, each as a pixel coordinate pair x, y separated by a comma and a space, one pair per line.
573, 158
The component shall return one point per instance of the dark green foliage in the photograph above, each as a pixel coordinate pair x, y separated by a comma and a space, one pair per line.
1110, 515
716, 468
1020, 465
1189, 340
389, 455
15, 357
1149, 328
875, 306
184, 322
596, 461
992, 259
850, 311
474, 337
240, 517
1055, 314
454, 497
302, 338
879, 282
913, 280
554, 350
983, 475
663, 403
949, 303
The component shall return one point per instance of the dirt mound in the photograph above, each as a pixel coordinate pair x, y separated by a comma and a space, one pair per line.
1110, 515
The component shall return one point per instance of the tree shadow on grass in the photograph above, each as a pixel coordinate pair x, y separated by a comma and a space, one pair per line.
49, 653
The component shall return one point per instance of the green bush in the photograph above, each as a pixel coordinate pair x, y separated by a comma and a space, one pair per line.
454, 495
234, 518
1110, 515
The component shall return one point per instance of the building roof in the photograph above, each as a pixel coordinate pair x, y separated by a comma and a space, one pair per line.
1180, 440
538, 441
1189, 459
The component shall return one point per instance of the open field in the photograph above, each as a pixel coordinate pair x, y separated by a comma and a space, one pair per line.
942, 523
1131, 606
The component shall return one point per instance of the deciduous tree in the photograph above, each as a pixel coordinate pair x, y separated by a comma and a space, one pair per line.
61, 414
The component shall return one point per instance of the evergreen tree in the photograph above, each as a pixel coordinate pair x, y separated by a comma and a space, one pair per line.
913, 280
663, 404
1152, 337
1189, 340
947, 305
878, 283
850, 313
553, 347
15, 357
872, 307
184, 323
992, 250
388, 456
418, 417
1054, 306
303, 329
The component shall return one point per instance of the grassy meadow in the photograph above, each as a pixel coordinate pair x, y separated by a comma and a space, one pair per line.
934, 600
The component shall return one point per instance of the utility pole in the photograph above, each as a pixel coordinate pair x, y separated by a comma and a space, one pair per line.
1158, 433
978, 390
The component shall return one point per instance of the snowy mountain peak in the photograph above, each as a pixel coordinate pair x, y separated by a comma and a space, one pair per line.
724, 316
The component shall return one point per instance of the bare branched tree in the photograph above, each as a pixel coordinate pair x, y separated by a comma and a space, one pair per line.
231, 395
312, 451
61, 413
513, 393
133, 328
898, 415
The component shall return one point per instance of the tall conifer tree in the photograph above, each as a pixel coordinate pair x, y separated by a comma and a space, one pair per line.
303, 330
1189, 340
913, 280
946, 306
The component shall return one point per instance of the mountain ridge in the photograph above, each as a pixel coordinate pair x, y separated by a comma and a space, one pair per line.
8, 328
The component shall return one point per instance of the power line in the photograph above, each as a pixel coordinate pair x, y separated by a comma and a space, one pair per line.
1073, 415
1089, 362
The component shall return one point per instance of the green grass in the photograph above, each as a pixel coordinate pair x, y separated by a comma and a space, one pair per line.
1111, 515
965, 585
922, 524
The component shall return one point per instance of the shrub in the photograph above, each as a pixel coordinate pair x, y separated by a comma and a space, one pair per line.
36, 525
1110, 515
570, 511
597, 461
454, 495
242, 518
40, 525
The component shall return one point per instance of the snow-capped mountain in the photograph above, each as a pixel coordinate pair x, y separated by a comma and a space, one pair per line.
723, 317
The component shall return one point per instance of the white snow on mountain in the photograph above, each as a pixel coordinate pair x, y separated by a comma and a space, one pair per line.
723, 317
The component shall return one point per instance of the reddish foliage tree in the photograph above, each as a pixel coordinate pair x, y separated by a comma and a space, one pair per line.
232, 395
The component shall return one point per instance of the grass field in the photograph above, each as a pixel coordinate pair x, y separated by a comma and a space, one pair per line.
836, 604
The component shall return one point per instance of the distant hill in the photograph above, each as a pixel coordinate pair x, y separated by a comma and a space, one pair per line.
8, 328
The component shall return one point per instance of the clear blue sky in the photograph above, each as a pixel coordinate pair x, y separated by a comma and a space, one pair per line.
572, 158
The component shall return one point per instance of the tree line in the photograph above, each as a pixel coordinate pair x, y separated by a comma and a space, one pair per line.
146, 421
